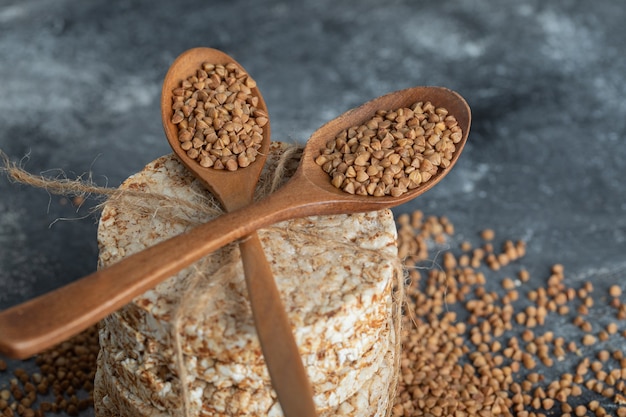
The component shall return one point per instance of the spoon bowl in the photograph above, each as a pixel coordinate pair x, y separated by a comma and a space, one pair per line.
51, 318
309, 170
234, 189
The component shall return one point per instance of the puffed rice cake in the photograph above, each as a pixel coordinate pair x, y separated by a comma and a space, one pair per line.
188, 347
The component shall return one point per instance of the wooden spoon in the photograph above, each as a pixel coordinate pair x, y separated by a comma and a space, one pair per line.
234, 190
42, 322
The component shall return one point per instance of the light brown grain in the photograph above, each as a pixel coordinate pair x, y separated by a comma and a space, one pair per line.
219, 122
393, 152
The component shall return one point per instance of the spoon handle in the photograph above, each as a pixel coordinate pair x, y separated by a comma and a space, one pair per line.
280, 351
40, 323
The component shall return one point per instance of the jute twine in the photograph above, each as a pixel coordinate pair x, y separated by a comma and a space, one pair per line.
185, 211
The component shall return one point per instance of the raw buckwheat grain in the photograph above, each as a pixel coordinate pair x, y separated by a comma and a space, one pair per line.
219, 122
393, 152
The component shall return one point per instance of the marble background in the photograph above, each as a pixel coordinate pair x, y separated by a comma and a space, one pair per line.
80, 84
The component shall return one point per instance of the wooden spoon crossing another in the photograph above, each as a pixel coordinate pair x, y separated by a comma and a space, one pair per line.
40, 323
235, 189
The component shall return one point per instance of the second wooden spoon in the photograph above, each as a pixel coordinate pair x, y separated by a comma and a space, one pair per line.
37, 324
234, 190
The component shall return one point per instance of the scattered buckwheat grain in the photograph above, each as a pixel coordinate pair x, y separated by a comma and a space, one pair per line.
472, 347
615, 291
62, 383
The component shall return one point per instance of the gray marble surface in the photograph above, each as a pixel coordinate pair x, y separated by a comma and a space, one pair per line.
79, 96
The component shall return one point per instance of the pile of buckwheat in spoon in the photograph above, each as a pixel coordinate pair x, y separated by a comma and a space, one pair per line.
393, 152
219, 123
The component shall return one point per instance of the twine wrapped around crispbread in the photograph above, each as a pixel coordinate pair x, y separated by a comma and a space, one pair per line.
152, 354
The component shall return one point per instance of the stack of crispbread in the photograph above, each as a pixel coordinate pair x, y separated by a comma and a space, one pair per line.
188, 347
